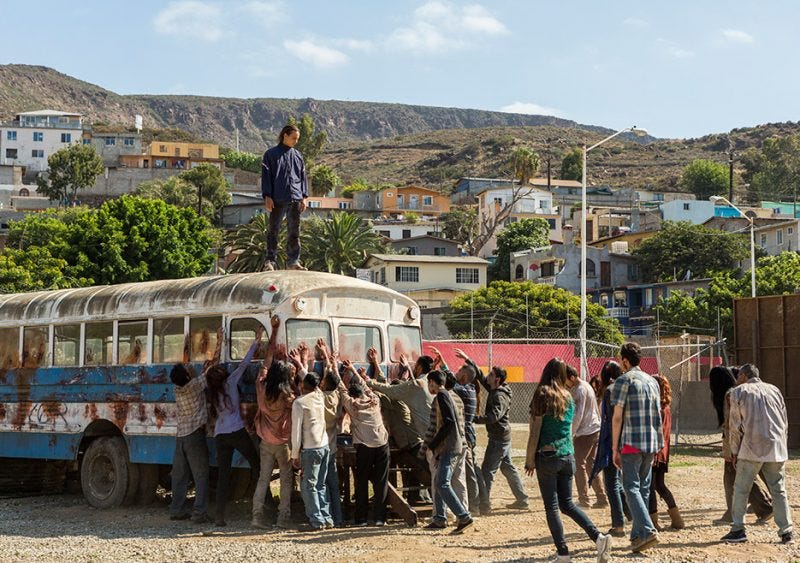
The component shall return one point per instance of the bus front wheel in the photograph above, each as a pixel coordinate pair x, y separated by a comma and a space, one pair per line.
105, 472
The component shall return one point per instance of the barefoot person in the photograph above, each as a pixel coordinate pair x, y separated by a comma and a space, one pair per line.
284, 187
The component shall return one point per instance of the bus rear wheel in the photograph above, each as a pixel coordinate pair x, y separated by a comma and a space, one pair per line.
106, 472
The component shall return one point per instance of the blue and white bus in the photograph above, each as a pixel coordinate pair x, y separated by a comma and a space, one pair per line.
84, 372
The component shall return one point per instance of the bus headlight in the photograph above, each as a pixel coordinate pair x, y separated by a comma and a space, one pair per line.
299, 304
413, 313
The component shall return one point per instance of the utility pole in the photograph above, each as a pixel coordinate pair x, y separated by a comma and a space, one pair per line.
199, 201
526, 319
472, 316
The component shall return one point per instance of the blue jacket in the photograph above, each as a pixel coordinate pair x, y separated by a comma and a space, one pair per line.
283, 175
604, 456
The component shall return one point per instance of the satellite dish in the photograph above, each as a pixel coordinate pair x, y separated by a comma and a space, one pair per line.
138, 123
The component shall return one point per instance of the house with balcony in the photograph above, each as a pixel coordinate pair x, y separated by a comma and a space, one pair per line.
466, 190
426, 245
396, 202
774, 234
166, 155
398, 229
32, 137
110, 145
432, 281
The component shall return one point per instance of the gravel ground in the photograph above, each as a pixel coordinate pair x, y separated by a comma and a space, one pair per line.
65, 528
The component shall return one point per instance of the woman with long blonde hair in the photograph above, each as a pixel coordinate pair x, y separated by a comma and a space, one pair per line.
551, 455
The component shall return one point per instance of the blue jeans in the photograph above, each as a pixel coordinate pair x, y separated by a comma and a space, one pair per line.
616, 500
498, 456
312, 486
476, 486
636, 472
555, 475
332, 485
444, 489
190, 460
774, 474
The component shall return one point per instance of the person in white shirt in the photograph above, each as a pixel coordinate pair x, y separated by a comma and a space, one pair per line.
585, 433
758, 429
310, 451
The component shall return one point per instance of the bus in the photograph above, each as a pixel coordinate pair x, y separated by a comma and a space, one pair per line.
84, 373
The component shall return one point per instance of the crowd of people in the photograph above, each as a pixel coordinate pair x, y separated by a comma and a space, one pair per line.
610, 435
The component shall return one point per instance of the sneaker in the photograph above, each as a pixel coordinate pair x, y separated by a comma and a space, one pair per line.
765, 519
724, 519
560, 558
360, 524
283, 523
584, 504
201, 519
463, 524
436, 525
486, 511
734, 536
380, 523
519, 505
259, 522
268, 266
296, 266
600, 504
787, 538
640, 544
329, 525
306, 527
618, 532
181, 516
603, 547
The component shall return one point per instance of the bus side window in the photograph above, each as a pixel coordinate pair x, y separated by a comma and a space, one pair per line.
9, 348
168, 340
98, 344
404, 340
203, 331
66, 345
298, 331
34, 346
243, 332
132, 342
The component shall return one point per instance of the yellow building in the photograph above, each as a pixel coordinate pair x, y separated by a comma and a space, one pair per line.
173, 155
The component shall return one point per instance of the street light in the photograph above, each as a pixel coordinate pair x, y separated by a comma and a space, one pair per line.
715, 199
639, 133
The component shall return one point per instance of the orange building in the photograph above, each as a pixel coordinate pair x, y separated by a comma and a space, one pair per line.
165, 154
397, 201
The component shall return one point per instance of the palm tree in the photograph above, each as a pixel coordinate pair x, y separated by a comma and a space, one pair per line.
250, 241
339, 244
526, 164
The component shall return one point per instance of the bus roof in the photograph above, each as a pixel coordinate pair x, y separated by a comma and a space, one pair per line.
182, 296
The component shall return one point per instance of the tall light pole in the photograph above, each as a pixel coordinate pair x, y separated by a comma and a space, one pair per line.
716, 198
582, 332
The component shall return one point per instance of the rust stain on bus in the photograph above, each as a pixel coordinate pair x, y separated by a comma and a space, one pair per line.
90, 412
142, 413
120, 414
161, 416
52, 410
2, 412
24, 406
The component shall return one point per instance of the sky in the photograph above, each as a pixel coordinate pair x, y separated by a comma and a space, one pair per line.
677, 69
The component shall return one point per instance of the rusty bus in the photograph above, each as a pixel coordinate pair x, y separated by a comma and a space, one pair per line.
84, 372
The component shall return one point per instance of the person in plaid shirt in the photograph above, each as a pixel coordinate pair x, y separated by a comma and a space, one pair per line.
636, 437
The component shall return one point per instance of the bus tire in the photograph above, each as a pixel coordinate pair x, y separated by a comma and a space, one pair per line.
105, 472
133, 485
148, 484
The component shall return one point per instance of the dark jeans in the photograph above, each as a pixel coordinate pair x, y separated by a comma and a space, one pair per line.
616, 498
290, 210
759, 498
191, 460
476, 486
498, 456
555, 475
226, 443
658, 485
372, 465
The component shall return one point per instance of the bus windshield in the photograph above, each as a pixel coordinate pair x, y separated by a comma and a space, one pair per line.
404, 340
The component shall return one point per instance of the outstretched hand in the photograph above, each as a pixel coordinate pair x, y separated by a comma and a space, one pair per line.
461, 355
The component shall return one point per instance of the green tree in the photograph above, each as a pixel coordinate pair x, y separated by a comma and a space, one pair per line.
357, 186
35, 269
547, 311
339, 244
705, 178
526, 164
521, 235
70, 169
460, 224
680, 247
322, 180
572, 165
311, 142
774, 171
182, 190
242, 160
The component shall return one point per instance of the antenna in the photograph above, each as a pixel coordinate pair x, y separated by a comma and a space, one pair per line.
237, 139
138, 123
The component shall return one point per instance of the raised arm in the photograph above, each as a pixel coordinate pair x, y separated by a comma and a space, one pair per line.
478, 371
237, 373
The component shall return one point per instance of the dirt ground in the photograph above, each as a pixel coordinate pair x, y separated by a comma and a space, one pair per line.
65, 528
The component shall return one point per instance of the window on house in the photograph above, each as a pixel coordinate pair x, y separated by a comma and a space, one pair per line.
552, 224
686, 207
763, 240
427, 200
519, 272
11, 135
87, 141
111, 141
387, 234
790, 231
633, 272
406, 274
66, 137
37, 153
780, 236
344, 205
411, 250
313, 204
591, 269
162, 148
548, 269
159, 164
658, 197
604, 300
11, 153
38, 136
619, 299
498, 201
406, 233
128, 141
439, 251
383, 276
467, 275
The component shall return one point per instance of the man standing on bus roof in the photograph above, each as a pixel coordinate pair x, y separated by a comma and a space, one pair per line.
284, 187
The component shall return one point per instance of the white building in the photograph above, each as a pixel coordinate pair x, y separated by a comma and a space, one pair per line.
33, 136
398, 230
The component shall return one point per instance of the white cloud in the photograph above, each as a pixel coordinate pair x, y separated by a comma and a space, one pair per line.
530, 108
673, 50
316, 55
266, 13
737, 36
635, 22
354, 44
439, 26
190, 19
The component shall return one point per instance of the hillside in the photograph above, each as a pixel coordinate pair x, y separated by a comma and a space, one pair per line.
26, 88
